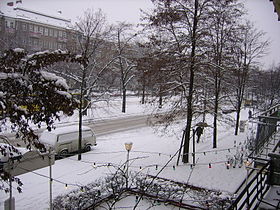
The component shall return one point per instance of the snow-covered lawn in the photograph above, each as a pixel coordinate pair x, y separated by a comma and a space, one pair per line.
150, 152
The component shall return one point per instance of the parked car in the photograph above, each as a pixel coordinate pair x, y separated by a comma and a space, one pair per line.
9, 152
65, 140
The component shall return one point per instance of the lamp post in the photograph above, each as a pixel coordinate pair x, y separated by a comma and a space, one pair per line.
51, 162
194, 132
128, 147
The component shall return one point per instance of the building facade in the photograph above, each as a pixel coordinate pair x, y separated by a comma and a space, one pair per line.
35, 31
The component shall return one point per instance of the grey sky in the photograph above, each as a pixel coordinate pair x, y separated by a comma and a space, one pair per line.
260, 12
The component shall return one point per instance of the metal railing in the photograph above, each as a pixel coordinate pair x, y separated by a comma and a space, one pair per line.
267, 127
254, 190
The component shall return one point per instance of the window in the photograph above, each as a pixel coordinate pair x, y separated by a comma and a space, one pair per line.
87, 134
46, 44
46, 32
31, 28
36, 29
64, 34
9, 24
24, 27
41, 30
68, 137
60, 33
51, 32
55, 33
54, 45
35, 42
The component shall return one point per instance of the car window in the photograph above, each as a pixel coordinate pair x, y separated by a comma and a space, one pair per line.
87, 133
67, 137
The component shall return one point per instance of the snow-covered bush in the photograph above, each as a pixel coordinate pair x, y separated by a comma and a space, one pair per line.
104, 189
108, 190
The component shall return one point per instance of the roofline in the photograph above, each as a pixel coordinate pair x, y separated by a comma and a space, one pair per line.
42, 23
37, 22
39, 13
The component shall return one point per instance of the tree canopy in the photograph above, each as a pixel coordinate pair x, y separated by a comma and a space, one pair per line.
31, 96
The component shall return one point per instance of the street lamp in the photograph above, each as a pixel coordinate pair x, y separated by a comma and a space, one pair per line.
128, 147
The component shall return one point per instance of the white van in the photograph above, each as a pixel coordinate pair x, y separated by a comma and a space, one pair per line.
65, 140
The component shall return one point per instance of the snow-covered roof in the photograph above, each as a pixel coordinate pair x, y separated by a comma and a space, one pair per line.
50, 137
67, 129
8, 151
35, 16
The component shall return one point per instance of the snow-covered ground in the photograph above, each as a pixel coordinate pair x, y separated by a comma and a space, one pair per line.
150, 152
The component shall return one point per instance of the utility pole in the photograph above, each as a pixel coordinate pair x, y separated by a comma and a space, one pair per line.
50, 164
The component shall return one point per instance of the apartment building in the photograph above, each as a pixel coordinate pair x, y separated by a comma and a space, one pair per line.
35, 31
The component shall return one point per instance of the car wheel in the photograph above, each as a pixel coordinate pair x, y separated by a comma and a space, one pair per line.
87, 148
63, 154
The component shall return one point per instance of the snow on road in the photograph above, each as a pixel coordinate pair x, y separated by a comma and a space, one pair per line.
150, 152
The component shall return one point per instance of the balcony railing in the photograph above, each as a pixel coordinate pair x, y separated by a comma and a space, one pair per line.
254, 191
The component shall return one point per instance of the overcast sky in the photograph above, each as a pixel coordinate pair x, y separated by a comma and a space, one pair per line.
260, 12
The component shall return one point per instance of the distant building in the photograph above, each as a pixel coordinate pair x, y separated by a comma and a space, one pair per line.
35, 31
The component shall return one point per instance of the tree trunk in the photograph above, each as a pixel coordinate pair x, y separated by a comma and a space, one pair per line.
215, 126
143, 92
83, 84
80, 124
160, 102
185, 158
124, 100
237, 118
216, 108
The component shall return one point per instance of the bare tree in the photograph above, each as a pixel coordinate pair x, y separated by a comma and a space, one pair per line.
223, 21
124, 65
272, 85
246, 51
93, 35
183, 26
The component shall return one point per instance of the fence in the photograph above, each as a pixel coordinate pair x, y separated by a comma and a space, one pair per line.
267, 126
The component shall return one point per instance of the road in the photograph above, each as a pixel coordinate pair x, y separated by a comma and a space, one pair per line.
103, 126
108, 126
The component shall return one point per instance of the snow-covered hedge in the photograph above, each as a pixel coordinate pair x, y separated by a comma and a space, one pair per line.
111, 189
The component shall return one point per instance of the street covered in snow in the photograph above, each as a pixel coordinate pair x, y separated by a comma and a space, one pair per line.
152, 149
